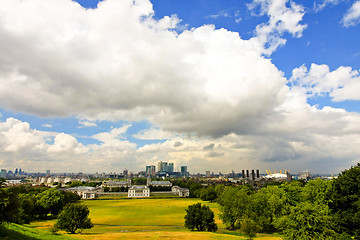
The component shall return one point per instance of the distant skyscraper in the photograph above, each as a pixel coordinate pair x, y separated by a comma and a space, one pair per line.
125, 173
165, 167
162, 166
207, 173
150, 170
3, 173
171, 168
47, 172
184, 171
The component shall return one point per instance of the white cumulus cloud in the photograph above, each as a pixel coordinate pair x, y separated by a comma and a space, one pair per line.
352, 16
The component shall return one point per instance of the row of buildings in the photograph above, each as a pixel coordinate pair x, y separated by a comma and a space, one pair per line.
134, 191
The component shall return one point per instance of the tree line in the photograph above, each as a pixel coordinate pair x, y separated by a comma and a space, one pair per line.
318, 209
23, 204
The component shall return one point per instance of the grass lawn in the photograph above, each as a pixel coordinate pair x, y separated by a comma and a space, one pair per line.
142, 212
148, 218
25, 232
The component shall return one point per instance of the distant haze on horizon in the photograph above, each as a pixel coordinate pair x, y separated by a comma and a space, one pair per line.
99, 86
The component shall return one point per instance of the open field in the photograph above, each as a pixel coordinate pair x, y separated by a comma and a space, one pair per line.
144, 219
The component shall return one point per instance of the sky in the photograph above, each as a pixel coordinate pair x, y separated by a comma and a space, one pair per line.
100, 86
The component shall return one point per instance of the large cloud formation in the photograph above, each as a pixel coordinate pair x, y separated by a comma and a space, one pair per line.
118, 62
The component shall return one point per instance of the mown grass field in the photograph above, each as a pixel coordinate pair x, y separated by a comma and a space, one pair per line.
138, 219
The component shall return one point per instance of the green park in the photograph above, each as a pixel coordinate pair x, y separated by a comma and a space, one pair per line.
124, 218
317, 209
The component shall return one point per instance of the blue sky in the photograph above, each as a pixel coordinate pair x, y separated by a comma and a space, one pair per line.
214, 85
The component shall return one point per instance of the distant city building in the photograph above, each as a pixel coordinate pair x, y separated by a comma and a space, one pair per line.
305, 175
47, 172
150, 170
184, 171
125, 173
171, 168
3, 173
164, 167
207, 173
158, 183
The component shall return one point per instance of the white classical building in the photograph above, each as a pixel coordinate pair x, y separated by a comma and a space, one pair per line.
182, 192
139, 191
84, 192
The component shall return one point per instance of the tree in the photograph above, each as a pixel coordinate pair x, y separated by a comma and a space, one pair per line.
344, 201
51, 201
234, 204
200, 217
249, 227
9, 205
307, 221
74, 217
208, 194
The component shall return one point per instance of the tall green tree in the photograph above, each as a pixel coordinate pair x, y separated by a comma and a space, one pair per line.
9, 205
344, 201
307, 221
234, 204
75, 216
200, 217
51, 201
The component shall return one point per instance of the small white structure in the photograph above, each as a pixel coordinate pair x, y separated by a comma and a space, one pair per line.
84, 192
88, 195
182, 192
139, 191
68, 179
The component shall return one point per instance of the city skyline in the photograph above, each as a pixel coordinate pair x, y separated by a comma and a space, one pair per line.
114, 84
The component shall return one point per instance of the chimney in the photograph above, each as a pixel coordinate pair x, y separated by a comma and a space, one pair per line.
243, 173
247, 173
253, 174
257, 173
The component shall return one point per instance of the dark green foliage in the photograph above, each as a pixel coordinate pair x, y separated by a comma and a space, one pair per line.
92, 184
208, 194
344, 201
344, 236
200, 217
9, 205
194, 187
75, 184
50, 201
139, 181
74, 217
27, 207
69, 197
106, 189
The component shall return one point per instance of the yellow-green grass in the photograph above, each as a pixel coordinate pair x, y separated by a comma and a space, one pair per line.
149, 213
25, 232
146, 219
